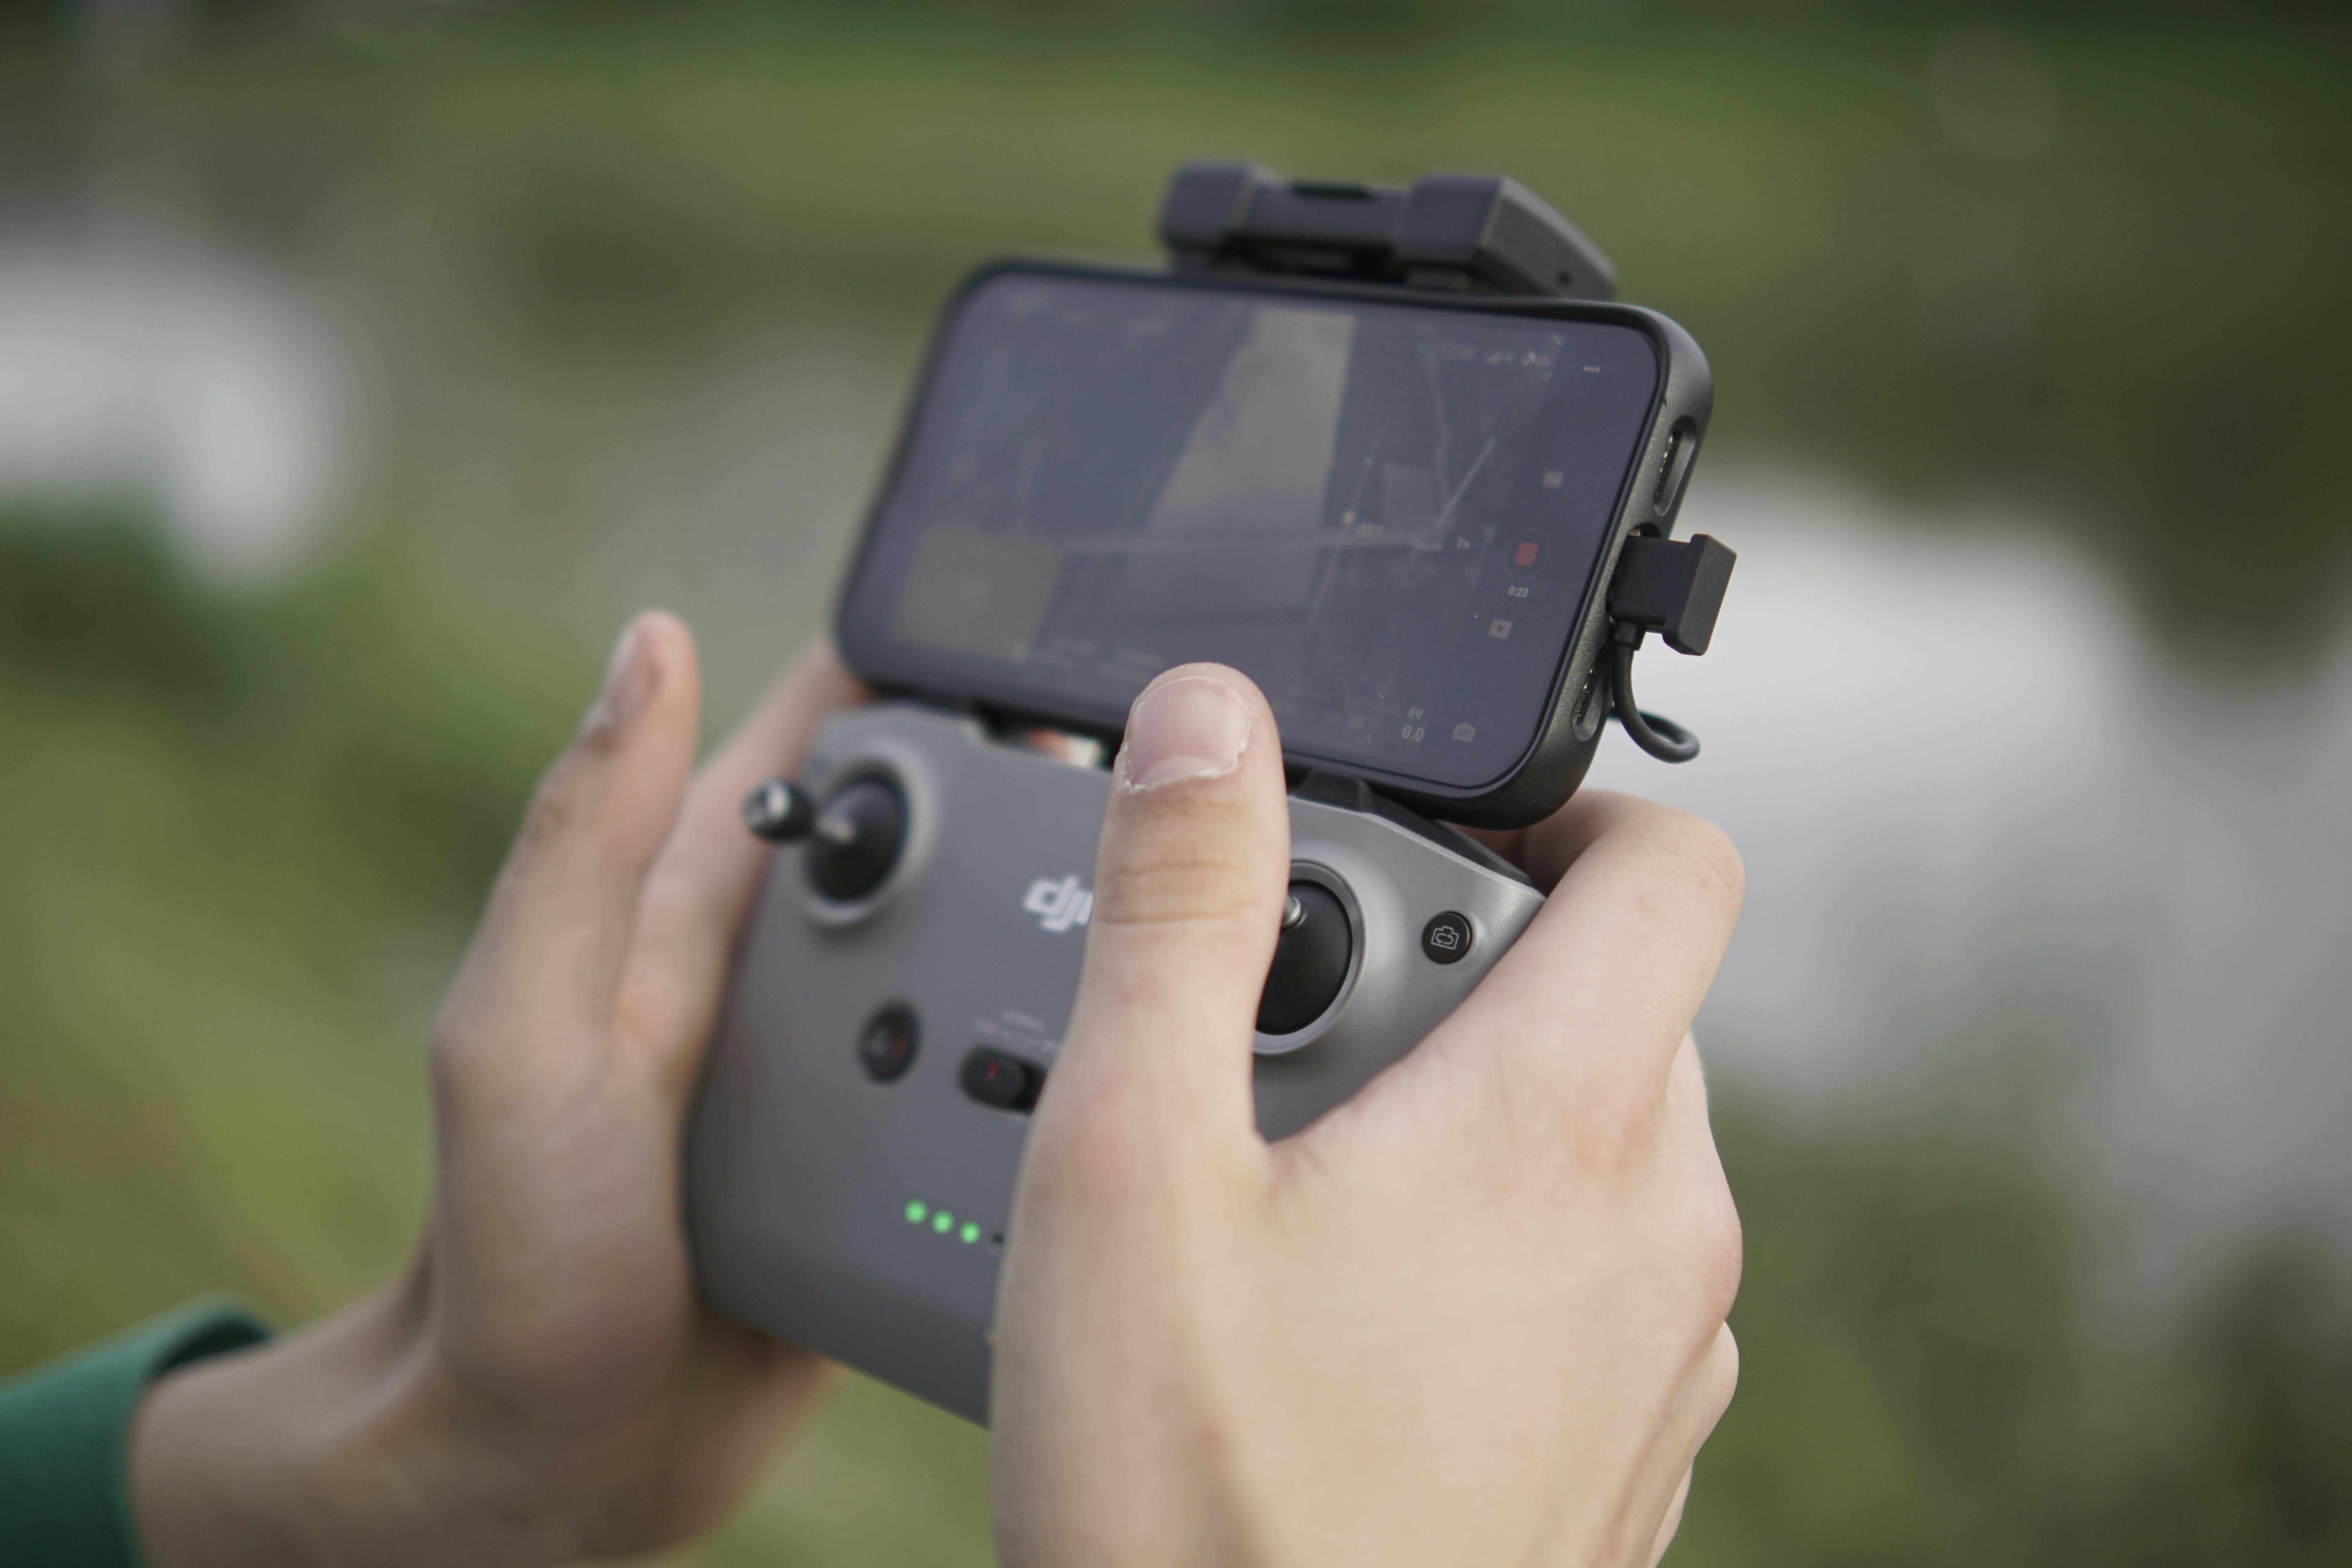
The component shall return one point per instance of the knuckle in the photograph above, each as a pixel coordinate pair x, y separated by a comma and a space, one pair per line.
1718, 1377
1609, 1125
1580, 1129
1703, 855
455, 1045
1719, 1251
1611, 1137
454, 1030
480, 1060
555, 811
470, 1021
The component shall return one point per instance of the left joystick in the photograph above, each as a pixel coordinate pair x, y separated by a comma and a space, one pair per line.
855, 843
856, 836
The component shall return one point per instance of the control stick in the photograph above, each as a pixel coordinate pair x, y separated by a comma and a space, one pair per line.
855, 837
1310, 960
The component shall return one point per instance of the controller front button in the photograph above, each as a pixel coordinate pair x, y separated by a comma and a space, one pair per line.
1005, 1081
886, 1047
1446, 938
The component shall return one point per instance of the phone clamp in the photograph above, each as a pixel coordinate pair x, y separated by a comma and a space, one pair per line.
1478, 232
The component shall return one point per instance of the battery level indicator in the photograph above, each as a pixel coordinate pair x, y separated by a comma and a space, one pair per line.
922, 1215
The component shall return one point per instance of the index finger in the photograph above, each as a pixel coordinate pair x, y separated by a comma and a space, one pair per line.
699, 888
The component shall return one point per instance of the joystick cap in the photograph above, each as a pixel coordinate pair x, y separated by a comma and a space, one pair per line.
780, 812
858, 835
1310, 962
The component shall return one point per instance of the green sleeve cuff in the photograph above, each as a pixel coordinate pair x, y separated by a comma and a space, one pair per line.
64, 1432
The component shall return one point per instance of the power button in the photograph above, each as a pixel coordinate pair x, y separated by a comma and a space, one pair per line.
1446, 938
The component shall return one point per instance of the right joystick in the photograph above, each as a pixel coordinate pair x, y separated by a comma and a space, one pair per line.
1310, 960
856, 838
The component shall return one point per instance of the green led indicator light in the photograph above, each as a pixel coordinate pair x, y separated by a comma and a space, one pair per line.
940, 1220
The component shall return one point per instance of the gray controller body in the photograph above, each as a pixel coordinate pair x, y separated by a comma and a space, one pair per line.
816, 1192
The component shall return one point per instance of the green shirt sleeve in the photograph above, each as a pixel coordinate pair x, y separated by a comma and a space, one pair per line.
64, 1428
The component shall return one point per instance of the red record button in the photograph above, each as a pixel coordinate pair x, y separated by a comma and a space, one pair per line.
1527, 552
998, 1079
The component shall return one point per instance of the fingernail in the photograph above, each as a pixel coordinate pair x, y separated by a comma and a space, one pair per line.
1189, 728
628, 681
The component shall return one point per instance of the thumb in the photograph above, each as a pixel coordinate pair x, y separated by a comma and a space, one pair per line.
548, 957
1189, 886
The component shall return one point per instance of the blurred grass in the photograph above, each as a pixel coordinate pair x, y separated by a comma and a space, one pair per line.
238, 845
1923, 1381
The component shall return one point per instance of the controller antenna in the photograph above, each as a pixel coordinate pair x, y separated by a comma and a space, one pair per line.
779, 811
1674, 587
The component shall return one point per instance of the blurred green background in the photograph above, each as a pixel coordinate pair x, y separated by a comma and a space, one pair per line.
362, 364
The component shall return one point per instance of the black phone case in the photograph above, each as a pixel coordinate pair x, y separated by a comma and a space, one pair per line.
1555, 762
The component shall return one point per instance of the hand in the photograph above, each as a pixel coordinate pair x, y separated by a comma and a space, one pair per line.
1474, 1316
543, 1383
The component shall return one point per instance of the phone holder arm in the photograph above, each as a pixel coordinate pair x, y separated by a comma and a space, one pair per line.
1480, 232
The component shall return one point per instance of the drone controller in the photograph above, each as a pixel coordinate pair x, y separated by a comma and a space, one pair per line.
904, 983
903, 995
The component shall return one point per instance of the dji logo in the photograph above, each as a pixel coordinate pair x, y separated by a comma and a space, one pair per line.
1060, 905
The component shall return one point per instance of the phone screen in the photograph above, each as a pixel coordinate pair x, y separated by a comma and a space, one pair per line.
1387, 515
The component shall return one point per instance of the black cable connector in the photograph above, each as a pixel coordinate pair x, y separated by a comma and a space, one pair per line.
1673, 587
1654, 732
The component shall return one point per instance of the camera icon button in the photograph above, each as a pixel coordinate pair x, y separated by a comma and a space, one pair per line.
1447, 937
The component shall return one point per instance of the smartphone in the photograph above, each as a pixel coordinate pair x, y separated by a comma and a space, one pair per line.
1395, 510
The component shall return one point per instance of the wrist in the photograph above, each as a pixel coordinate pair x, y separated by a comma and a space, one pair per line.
334, 1445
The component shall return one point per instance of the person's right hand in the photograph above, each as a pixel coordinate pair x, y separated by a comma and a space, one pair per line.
1475, 1316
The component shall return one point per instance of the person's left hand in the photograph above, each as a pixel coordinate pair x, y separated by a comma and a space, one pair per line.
543, 1383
